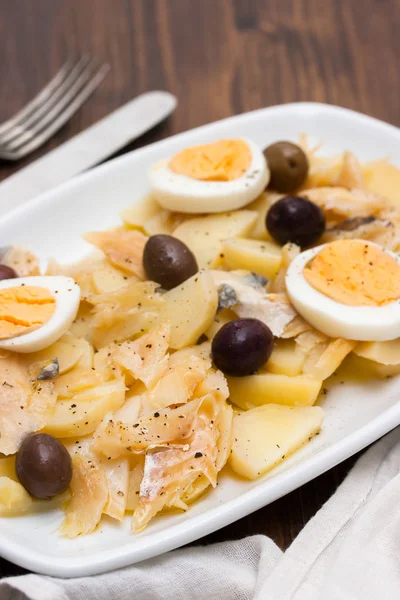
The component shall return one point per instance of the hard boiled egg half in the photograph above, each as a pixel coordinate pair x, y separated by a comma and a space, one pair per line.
211, 178
348, 289
36, 311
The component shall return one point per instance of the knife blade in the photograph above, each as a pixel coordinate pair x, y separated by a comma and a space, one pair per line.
86, 149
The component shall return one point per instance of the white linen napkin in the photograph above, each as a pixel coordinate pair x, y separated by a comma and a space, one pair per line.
349, 551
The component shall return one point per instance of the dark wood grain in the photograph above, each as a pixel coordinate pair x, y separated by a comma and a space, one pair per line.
220, 57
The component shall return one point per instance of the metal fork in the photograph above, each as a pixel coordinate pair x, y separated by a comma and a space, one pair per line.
51, 108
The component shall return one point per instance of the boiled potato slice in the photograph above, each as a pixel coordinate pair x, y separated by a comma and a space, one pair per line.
73, 382
190, 309
363, 369
14, 499
204, 235
385, 353
81, 414
65, 350
108, 279
7, 467
270, 388
383, 178
264, 258
87, 358
163, 222
219, 321
287, 358
264, 436
82, 327
136, 216
159, 223
261, 205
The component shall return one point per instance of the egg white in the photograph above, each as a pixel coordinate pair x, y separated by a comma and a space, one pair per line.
67, 296
187, 195
360, 323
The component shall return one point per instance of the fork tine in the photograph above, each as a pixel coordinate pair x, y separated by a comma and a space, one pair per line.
40, 98
62, 118
22, 128
24, 134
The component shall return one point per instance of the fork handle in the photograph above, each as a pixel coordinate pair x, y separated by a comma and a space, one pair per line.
86, 149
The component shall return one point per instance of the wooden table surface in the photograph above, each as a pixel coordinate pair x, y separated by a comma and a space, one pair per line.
220, 58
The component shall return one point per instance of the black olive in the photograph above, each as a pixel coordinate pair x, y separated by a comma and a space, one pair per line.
168, 261
7, 273
43, 466
242, 346
288, 165
297, 220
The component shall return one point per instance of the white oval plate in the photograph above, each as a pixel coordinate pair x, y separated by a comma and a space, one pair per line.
356, 414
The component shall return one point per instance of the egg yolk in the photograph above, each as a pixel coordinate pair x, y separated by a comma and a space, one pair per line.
355, 273
23, 309
225, 160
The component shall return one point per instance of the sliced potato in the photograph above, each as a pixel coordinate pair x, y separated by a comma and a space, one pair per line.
270, 388
75, 381
359, 368
125, 328
385, 353
160, 223
163, 222
7, 467
87, 358
122, 314
82, 327
136, 216
82, 414
264, 258
109, 279
190, 309
219, 321
261, 206
14, 499
383, 178
204, 235
289, 253
264, 436
65, 350
287, 358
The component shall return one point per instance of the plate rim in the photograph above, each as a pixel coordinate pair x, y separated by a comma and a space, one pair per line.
251, 500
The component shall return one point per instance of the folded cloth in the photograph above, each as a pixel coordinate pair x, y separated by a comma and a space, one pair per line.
349, 551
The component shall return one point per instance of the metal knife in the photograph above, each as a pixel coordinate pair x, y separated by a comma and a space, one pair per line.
87, 148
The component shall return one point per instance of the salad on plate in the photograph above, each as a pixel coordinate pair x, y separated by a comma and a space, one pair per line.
197, 336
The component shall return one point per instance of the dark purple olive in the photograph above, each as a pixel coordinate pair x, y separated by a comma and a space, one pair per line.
297, 220
242, 346
7, 273
288, 166
43, 466
168, 261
